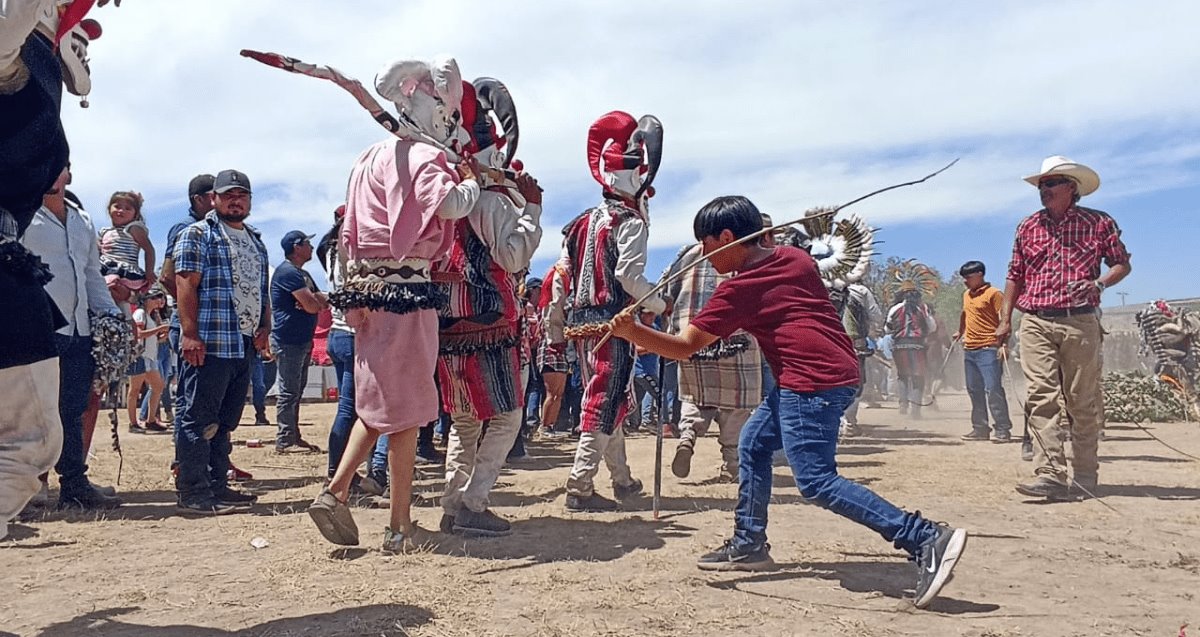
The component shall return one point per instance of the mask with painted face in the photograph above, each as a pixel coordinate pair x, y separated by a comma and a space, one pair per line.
428, 96
624, 155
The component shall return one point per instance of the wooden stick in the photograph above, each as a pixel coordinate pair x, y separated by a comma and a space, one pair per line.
753, 236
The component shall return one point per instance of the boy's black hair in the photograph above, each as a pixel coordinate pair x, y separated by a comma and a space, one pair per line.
734, 213
972, 267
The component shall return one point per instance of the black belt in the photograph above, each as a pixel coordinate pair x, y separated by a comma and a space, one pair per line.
1060, 312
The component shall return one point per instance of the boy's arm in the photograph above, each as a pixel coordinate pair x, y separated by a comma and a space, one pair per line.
688, 342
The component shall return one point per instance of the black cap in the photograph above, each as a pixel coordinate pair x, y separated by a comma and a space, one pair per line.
292, 239
229, 179
200, 185
533, 282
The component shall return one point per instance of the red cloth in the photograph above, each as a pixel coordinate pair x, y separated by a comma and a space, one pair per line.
782, 302
1048, 256
320, 351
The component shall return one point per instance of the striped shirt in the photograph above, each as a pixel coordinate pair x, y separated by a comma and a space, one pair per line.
1049, 256
204, 247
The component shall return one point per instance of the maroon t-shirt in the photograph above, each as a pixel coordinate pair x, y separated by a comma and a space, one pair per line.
782, 302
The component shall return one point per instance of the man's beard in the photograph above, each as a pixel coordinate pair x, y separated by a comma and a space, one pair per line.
233, 216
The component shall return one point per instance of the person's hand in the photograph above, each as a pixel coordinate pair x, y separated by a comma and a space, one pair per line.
1003, 331
528, 187
1082, 291
956, 336
262, 338
468, 168
1002, 352
150, 278
192, 349
623, 325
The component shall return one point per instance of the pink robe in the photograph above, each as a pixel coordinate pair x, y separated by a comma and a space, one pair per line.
392, 200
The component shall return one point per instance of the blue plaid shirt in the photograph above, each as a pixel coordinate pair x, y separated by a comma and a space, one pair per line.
202, 247
172, 239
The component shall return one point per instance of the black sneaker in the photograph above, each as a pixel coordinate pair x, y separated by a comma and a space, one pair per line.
729, 558
481, 524
234, 498
374, 484
594, 503
981, 436
87, 499
447, 524
204, 506
429, 455
624, 491
1045, 487
935, 560
681, 464
1002, 437
260, 420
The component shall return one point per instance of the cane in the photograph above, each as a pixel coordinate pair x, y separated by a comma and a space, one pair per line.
658, 435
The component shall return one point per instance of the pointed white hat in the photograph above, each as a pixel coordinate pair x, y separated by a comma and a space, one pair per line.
1087, 178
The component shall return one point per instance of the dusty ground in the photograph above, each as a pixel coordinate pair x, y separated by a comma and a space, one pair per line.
1029, 569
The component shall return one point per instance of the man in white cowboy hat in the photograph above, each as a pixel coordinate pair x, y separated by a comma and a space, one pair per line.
1054, 278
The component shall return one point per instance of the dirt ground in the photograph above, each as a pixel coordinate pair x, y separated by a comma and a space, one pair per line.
1029, 569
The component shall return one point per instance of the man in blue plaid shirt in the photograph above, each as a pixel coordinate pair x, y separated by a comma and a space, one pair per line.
224, 314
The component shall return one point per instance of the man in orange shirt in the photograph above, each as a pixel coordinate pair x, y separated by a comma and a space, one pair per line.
981, 354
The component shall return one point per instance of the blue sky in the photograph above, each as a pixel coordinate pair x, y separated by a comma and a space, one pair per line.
794, 104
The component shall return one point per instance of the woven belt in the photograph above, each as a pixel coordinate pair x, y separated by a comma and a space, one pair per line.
407, 270
1060, 312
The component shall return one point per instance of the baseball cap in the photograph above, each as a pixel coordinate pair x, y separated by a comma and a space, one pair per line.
533, 282
229, 179
200, 185
292, 238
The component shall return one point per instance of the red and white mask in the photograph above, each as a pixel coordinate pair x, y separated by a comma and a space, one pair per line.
624, 155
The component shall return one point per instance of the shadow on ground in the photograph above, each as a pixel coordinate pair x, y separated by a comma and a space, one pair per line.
543, 540
380, 619
892, 579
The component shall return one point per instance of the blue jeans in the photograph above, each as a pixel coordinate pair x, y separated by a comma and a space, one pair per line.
293, 376
213, 396
76, 368
805, 426
982, 367
262, 379
165, 354
341, 351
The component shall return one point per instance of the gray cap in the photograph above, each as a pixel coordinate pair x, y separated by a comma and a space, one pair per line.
229, 179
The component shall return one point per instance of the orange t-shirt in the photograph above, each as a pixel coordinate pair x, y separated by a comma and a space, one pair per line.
982, 310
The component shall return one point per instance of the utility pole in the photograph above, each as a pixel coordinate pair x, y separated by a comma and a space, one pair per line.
1122, 295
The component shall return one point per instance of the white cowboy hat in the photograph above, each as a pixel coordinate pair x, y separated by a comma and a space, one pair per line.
1085, 177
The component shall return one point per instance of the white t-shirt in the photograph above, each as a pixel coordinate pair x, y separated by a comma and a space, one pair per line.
145, 323
247, 279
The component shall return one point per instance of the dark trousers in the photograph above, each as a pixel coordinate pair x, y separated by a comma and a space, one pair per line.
213, 396
76, 368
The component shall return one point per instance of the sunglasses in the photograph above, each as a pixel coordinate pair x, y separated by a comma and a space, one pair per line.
1051, 183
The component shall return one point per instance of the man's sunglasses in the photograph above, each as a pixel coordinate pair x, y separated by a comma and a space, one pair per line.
1051, 183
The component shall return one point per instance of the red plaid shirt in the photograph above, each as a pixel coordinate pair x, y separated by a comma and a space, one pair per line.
1049, 256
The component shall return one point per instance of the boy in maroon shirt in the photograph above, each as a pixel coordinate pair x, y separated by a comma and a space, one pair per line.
778, 297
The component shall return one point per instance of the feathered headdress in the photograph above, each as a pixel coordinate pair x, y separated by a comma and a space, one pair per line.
842, 249
907, 276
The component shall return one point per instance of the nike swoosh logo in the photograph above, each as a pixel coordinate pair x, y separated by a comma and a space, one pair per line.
933, 566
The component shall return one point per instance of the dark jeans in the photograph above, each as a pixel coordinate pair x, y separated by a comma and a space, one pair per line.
983, 369
293, 377
805, 426
76, 368
341, 351
535, 389
262, 379
213, 397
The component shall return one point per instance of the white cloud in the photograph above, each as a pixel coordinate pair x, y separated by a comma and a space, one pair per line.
791, 103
